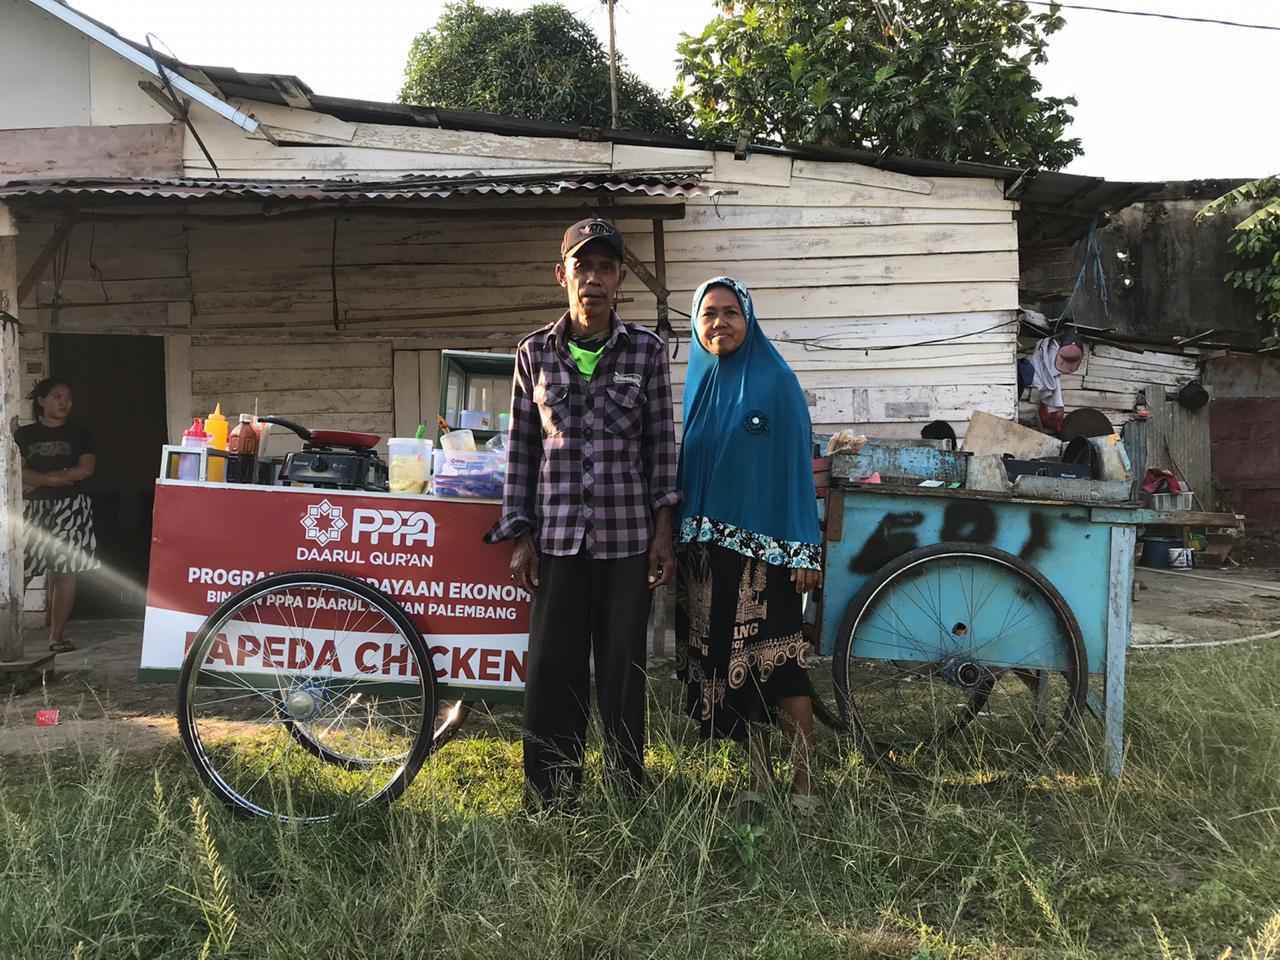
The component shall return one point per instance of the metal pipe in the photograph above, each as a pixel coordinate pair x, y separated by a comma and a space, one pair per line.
144, 62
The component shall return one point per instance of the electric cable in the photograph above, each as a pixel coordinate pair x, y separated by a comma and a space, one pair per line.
1148, 13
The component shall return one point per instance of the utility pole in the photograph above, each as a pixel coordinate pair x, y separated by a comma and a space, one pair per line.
613, 68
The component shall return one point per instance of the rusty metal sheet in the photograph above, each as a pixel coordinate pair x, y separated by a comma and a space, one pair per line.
1178, 440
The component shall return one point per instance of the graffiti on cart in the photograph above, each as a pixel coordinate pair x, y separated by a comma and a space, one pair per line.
898, 532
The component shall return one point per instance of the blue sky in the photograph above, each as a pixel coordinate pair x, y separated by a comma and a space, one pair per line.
1158, 99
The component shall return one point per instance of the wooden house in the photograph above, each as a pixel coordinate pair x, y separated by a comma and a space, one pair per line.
179, 236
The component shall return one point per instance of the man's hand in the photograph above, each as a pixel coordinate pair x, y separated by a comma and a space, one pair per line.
806, 579
59, 479
662, 561
524, 563
662, 554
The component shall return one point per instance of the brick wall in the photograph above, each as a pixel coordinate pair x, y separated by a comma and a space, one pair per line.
1246, 458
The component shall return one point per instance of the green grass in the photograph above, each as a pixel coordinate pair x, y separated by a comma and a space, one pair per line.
124, 856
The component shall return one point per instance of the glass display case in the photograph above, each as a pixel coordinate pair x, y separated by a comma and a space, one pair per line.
475, 391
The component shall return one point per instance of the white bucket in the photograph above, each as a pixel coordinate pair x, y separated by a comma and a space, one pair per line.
1180, 558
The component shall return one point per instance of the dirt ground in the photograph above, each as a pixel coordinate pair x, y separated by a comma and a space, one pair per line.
103, 706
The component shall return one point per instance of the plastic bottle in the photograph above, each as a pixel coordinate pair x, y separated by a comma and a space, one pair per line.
217, 426
242, 445
194, 436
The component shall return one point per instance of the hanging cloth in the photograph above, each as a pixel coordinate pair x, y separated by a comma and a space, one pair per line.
1045, 373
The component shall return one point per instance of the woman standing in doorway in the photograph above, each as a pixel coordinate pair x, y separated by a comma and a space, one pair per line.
57, 457
750, 545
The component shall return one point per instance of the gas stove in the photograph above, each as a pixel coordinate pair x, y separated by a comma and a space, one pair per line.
334, 460
335, 468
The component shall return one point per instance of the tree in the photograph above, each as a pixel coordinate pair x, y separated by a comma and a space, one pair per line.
1256, 239
939, 79
540, 64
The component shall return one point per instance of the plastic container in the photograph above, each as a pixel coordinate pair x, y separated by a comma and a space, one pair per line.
1171, 501
475, 474
463, 441
476, 420
242, 448
407, 464
194, 436
1155, 552
216, 426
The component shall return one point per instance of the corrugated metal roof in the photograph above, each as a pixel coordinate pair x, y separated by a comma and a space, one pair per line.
651, 183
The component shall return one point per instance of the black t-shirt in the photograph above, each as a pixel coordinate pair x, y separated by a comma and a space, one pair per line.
46, 449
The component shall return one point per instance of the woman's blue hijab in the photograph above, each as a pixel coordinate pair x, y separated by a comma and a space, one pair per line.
747, 453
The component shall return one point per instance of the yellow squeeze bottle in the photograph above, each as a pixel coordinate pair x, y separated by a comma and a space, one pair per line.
216, 426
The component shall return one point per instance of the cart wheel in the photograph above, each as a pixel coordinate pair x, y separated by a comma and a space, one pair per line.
306, 695
960, 661
447, 723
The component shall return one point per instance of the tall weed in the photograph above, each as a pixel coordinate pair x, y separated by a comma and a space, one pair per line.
93, 846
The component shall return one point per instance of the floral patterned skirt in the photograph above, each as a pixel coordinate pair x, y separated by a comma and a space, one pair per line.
739, 646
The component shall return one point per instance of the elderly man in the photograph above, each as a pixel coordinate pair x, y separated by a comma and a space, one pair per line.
591, 483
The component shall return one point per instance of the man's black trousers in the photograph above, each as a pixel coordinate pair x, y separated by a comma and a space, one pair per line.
585, 608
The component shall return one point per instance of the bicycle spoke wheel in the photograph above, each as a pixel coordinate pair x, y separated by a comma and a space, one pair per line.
445, 725
960, 661
305, 695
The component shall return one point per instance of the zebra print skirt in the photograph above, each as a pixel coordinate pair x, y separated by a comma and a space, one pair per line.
59, 535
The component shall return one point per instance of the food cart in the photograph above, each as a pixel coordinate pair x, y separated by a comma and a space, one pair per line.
293, 620
971, 633
325, 641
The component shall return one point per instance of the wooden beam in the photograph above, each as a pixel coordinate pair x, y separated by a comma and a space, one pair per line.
47, 253
645, 275
660, 275
11, 586
143, 150
663, 612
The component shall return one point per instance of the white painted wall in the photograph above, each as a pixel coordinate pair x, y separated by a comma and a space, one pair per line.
53, 76
44, 70
114, 96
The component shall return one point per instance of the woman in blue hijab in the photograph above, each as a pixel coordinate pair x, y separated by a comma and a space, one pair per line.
749, 540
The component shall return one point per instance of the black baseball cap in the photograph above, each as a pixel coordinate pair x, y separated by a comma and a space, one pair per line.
584, 231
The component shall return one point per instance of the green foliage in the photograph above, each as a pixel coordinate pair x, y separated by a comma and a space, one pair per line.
539, 64
1256, 240
940, 79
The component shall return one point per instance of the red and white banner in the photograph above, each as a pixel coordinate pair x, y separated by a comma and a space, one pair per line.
209, 541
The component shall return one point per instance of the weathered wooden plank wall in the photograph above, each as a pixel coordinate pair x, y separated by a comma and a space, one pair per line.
1110, 378
845, 262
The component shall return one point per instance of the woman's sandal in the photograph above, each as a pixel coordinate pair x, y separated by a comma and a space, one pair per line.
805, 806
62, 646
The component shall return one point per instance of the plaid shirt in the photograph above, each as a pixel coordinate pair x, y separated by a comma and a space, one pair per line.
589, 462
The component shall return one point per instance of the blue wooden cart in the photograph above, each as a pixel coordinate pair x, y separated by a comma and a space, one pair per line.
969, 625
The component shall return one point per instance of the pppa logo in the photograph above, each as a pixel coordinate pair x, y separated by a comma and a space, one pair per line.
405, 527
323, 522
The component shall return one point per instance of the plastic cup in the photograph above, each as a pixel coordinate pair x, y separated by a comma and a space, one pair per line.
406, 468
